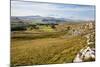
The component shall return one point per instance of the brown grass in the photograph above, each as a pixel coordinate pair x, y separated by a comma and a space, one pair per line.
45, 50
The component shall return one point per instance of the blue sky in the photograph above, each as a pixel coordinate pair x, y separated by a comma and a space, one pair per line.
69, 11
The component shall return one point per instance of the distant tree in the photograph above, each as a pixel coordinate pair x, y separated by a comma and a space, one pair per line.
53, 26
18, 29
68, 28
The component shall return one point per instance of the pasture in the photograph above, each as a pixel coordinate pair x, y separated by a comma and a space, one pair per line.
28, 48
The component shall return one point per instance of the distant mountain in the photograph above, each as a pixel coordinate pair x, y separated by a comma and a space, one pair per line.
40, 19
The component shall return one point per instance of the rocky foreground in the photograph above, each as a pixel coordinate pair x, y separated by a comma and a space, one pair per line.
87, 53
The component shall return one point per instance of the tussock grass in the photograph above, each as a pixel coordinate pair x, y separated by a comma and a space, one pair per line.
38, 35
49, 49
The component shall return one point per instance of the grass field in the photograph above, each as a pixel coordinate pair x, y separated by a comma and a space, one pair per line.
28, 48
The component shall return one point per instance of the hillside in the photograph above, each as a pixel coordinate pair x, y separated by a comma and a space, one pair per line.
49, 44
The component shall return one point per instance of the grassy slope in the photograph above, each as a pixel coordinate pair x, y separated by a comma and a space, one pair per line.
45, 50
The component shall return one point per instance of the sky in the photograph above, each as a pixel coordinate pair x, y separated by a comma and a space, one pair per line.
69, 11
